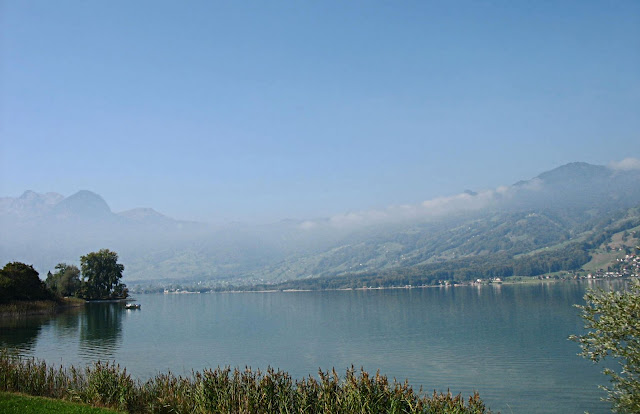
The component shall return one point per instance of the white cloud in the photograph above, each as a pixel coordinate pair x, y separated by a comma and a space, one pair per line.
428, 209
533, 184
308, 225
625, 165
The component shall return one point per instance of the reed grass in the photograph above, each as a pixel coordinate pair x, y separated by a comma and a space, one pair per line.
38, 307
226, 390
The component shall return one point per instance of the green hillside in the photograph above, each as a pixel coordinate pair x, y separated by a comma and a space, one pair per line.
496, 246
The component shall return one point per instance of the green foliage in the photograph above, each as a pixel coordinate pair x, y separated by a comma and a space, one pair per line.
613, 324
19, 281
65, 281
101, 274
223, 390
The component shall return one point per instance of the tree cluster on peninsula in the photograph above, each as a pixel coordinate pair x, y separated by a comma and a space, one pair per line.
98, 278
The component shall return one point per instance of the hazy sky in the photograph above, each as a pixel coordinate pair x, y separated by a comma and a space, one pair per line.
262, 110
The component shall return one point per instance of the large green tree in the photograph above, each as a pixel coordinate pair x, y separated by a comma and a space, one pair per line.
101, 274
613, 330
19, 281
65, 281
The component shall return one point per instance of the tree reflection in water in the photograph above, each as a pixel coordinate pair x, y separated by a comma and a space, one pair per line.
21, 333
101, 330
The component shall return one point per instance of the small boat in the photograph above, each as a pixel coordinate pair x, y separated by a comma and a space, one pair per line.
132, 306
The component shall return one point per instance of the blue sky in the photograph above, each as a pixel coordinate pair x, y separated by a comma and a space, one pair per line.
256, 110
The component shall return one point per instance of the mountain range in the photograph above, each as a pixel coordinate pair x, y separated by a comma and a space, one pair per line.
556, 208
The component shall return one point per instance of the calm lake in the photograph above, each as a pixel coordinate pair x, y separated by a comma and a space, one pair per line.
508, 342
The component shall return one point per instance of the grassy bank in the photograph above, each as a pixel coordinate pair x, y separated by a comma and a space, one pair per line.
226, 391
38, 307
18, 403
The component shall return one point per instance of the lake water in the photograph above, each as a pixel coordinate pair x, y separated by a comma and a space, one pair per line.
508, 342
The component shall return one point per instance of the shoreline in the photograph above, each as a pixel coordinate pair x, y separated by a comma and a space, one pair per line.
17, 309
525, 280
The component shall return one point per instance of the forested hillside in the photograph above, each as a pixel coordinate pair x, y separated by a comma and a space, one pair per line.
535, 217
569, 255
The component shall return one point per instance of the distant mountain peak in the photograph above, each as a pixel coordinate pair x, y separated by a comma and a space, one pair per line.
84, 203
145, 210
143, 213
575, 171
29, 195
87, 193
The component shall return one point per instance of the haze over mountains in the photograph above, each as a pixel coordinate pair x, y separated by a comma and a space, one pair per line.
554, 207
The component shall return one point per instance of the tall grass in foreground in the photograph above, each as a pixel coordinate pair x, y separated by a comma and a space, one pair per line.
223, 390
